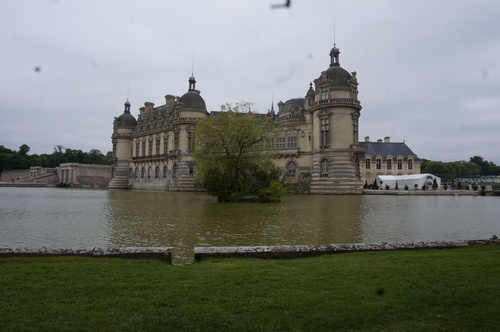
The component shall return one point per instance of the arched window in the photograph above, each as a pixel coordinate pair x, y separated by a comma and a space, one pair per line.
157, 172
323, 168
143, 173
164, 172
291, 169
130, 173
150, 170
136, 172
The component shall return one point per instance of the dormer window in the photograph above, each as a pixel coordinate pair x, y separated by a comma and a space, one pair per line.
324, 93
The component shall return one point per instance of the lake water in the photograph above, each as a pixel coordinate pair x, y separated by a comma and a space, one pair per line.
71, 218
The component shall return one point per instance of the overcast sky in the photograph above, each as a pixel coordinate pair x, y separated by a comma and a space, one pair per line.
428, 70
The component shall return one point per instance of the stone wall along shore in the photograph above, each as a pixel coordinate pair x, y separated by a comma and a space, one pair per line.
284, 251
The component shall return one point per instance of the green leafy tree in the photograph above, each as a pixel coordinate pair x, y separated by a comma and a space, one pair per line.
230, 155
23, 150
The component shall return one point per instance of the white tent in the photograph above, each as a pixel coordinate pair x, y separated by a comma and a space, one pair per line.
409, 180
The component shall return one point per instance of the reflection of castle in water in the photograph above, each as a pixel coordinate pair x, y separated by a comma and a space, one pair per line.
186, 220
317, 143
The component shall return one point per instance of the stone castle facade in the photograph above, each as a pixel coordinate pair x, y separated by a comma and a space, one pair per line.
316, 142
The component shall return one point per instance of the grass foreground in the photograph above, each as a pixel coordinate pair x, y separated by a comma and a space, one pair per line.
414, 290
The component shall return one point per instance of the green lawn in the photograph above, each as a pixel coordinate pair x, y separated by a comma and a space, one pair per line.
414, 290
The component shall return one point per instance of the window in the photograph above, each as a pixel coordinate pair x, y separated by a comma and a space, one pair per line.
131, 150
325, 132
165, 144
150, 170
410, 163
191, 141
280, 143
368, 163
324, 93
137, 149
291, 169
150, 147
292, 142
400, 163
143, 148
176, 140
389, 163
270, 143
131, 173
157, 146
143, 173
323, 168
164, 172
157, 172
379, 163
136, 172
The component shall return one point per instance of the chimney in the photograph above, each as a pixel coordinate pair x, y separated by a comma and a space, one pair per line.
387, 139
169, 101
379, 140
149, 106
367, 139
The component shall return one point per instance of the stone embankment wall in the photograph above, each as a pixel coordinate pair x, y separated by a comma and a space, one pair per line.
126, 252
285, 251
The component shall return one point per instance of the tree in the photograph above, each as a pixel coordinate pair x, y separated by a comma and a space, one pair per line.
230, 155
24, 149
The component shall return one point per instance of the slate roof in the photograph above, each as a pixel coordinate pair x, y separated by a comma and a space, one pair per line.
385, 149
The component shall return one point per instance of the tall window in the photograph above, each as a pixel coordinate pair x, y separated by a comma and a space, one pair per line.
143, 173
323, 168
355, 130
143, 148
270, 143
150, 170
389, 163
292, 142
165, 144
150, 147
157, 146
131, 173
136, 172
400, 163
325, 132
280, 143
157, 172
164, 172
291, 169
131, 150
176, 140
191, 141
367, 163
137, 148
324, 93
379, 163
410, 163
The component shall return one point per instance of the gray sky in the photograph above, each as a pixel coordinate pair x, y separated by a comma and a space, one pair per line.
429, 71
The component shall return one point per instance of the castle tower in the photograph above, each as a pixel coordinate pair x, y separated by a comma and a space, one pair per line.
335, 109
121, 138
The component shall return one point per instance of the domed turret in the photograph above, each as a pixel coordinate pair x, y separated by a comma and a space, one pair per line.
192, 100
126, 120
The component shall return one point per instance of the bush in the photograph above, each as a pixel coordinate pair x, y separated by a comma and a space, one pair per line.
273, 192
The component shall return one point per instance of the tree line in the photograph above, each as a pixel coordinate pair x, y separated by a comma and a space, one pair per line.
448, 171
13, 160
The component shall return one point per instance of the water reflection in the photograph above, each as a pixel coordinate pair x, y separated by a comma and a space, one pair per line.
37, 217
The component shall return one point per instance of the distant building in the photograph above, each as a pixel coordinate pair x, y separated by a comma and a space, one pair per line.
387, 158
316, 139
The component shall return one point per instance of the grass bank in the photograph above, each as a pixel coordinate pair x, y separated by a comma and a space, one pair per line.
415, 290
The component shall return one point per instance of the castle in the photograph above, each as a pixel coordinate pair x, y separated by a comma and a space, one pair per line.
316, 143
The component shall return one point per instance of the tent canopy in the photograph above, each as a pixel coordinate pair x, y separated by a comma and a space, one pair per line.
409, 180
